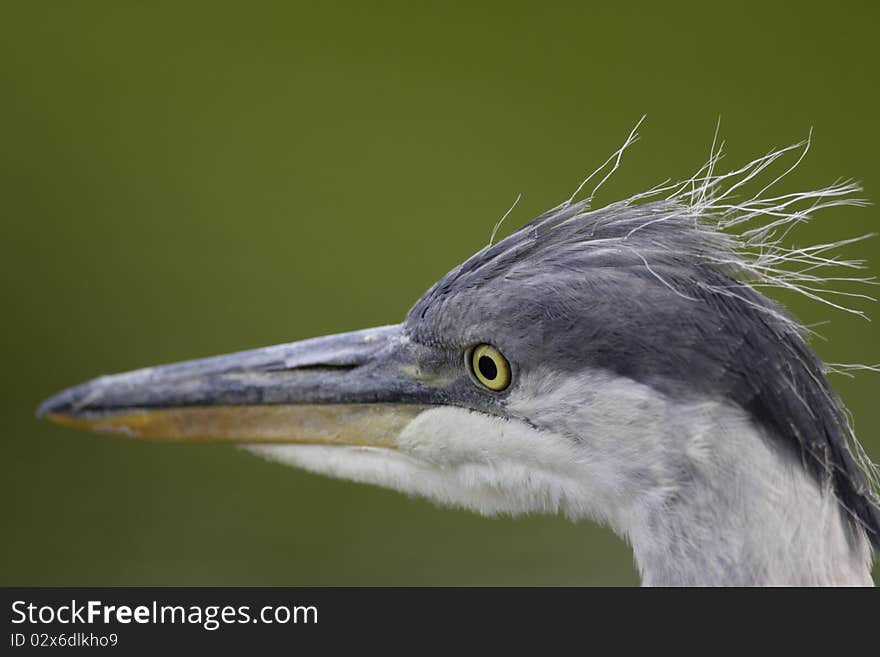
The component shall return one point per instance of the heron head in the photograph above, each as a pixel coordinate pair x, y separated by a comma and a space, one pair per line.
582, 365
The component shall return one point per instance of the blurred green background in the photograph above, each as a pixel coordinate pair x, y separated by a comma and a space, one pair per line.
179, 180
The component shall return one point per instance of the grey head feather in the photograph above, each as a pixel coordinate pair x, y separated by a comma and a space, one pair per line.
657, 292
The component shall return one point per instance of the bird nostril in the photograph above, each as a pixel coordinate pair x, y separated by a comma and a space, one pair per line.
325, 367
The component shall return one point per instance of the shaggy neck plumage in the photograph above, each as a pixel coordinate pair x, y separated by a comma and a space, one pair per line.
764, 521
703, 493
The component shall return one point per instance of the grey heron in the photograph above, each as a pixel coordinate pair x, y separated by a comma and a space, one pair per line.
618, 364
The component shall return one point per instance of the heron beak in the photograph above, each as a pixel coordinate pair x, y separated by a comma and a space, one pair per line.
346, 389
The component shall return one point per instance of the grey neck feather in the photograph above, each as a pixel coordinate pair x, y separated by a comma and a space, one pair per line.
749, 515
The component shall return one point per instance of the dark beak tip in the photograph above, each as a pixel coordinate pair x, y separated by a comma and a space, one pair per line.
61, 404
48, 407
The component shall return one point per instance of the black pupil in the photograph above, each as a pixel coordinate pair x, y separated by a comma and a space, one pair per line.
487, 367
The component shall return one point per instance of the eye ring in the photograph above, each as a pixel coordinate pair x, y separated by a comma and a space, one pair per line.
489, 367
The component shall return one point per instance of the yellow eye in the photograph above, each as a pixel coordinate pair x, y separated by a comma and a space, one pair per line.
490, 367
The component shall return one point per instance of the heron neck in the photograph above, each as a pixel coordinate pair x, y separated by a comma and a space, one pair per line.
747, 515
